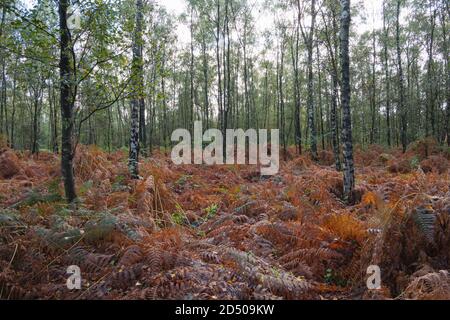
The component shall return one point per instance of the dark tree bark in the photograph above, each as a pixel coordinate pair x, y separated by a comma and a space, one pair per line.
13, 106
3, 122
295, 58
91, 130
430, 115
53, 118
109, 133
191, 72
226, 73
235, 90
319, 93
310, 103
334, 123
206, 83
349, 171
164, 101
246, 98
332, 46
2, 97
403, 123
219, 72
67, 100
444, 17
281, 93
37, 97
373, 91
266, 94
152, 105
387, 77
228, 68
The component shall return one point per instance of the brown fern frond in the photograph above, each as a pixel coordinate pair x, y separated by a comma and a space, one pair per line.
435, 285
76, 256
346, 227
284, 285
210, 256
126, 276
261, 293
95, 262
275, 280
309, 255
240, 219
154, 259
11, 291
299, 268
132, 255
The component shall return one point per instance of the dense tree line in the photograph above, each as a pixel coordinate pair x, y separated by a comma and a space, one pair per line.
123, 72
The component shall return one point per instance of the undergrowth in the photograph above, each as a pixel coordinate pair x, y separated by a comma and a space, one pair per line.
199, 232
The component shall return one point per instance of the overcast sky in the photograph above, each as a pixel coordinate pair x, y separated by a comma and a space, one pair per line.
264, 20
373, 11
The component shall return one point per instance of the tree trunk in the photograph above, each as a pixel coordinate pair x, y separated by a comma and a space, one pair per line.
297, 122
55, 146
206, 84
36, 117
387, 77
219, 73
311, 112
332, 45
430, 116
191, 71
373, 91
110, 129
282, 116
137, 87
266, 94
13, 106
3, 80
228, 67
2, 100
164, 103
246, 102
349, 171
67, 92
444, 18
319, 93
142, 125
333, 118
403, 123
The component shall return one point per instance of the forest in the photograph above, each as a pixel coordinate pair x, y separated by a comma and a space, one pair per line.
93, 205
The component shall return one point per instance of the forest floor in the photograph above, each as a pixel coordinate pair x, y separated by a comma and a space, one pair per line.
225, 232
